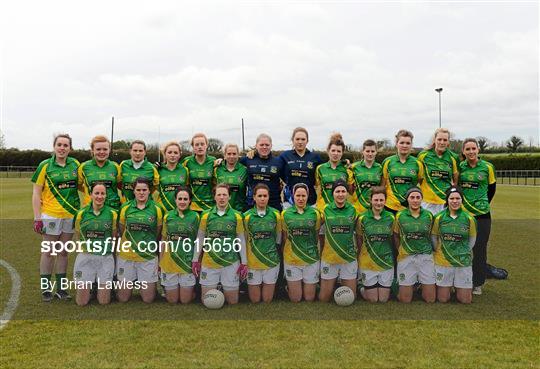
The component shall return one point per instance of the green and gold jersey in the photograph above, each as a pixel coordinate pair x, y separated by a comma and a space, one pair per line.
60, 196
475, 182
221, 232
200, 180
452, 248
302, 231
97, 228
438, 174
340, 228
365, 178
399, 178
169, 182
140, 226
237, 181
181, 232
414, 233
261, 236
325, 176
377, 245
128, 175
109, 174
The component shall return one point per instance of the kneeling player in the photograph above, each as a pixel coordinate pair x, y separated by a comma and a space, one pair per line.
338, 237
376, 261
221, 238
180, 227
95, 223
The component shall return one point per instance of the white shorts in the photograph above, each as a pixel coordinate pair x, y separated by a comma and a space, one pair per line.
171, 281
377, 278
266, 276
307, 273
433, 208
228, 276
344, 271
416, 268
142, 271
93, 268
56, 226
459, 277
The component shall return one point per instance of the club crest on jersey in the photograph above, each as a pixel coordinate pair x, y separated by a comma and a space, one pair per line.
151, 218
107, 225
412, 172
310, 165
311, 223
325, 270
273, 169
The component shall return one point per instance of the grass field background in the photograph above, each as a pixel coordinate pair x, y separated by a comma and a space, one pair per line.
500, 329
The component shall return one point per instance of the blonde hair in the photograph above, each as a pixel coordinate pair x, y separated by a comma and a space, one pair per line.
336, 139
197, 135
263, 135
170, 143
99, 139
299, 129
437, 131
231, 145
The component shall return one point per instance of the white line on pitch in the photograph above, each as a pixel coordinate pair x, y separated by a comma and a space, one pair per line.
11, 305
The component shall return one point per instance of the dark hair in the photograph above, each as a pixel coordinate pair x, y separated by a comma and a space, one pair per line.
339, 183
222, 185
142, 180
260, 186
451, 190
63, 135
299, 129
336, 139
300, 185
376, 190
139, 142
97, 183
182, 188
369, 142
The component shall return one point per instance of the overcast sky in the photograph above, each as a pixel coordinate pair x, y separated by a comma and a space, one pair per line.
363, 69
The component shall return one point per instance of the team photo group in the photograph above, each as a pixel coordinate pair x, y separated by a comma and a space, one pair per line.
288, 225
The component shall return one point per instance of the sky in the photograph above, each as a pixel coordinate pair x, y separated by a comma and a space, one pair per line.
168, 69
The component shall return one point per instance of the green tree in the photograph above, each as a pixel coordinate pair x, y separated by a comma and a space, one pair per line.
215, 145
483, 143
514, 143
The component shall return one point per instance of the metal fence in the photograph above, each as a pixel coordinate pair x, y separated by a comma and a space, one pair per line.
518, 177
16, 171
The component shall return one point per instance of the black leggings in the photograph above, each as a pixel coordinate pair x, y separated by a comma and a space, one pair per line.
480, 249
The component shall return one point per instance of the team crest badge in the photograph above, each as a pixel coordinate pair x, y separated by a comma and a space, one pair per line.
151, 218
311, 223
273, 169
402, 277
325, 270
439, 276
289, 273
203, 275
78, 274
52, 225
120, 271
250, 275
310, 165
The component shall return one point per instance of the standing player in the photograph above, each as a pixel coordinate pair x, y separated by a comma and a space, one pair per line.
221, 237
95, 223
101, 169
172, 175
376, 262
401, 172
301, 225
231, 172
440, 171
477, 179
339, 258
299, 165
55, 201
180, 227
412, 233
140, 224
264, 168
454, 235
331, 171
263, 238
201, 168
366, 174
136, 167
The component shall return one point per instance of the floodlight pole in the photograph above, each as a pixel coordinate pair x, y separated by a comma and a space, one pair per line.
439, 90
112, 135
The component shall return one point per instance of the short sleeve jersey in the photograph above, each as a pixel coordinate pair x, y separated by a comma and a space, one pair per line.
140, 226
97, 228
264, 170
438, 173
302, 231
109, 174
399, 178
237, 181
452, 248
261, 236
340, 228
180, 232
128, 175
475, 182
414, 233
365, 178
376, 251
169, 182
225, 229
60, 196
300, 169
200, 181
325, 178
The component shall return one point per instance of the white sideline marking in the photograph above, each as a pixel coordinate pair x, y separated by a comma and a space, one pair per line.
13, 301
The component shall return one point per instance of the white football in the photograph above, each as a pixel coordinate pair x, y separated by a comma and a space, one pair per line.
344, 296
213, 299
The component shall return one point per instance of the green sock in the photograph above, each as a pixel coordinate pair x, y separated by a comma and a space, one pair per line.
45, 278
59, 278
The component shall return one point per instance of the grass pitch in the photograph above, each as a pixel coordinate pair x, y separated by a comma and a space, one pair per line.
500, 329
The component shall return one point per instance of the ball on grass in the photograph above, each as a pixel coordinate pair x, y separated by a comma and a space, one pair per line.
213, 299
344, 296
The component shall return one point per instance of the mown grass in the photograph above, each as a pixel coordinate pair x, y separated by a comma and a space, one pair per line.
500, 329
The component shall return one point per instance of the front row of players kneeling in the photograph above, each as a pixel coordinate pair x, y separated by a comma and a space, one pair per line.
223, 246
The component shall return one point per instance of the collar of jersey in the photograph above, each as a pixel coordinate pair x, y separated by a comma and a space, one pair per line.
334, 206
52, 161
215, 209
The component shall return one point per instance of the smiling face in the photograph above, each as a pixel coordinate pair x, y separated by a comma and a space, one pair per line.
300, 141
137, 152
101, 151
263, 147
415, 200
404, 145
261, 198
62, 147
199, 146
221, 197
454, 201
369, 153
377, 201
335, 153
99, 192
340, 195
231, 155
441, 142
470, 150
182, 200
300, 198
141, 191
172, 154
